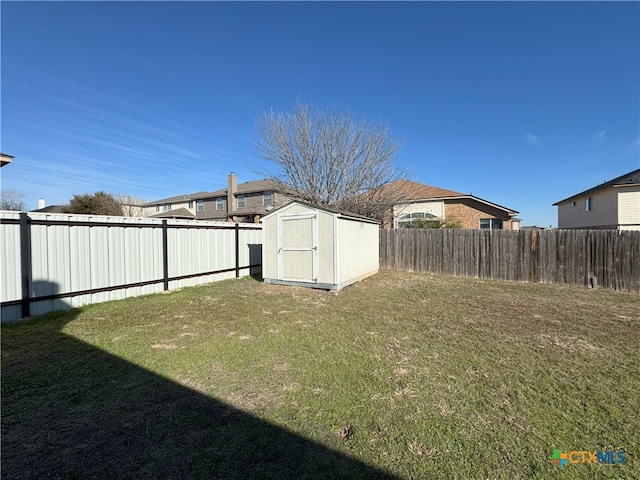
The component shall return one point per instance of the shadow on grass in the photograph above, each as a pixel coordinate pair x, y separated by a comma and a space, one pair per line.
70, 410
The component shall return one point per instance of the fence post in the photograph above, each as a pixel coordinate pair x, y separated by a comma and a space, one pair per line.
165, 254
534, 255
25, 263
237, 250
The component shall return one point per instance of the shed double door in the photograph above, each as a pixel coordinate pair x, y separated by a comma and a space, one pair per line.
298, 248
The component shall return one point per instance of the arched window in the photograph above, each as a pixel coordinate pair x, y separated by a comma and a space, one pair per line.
404, 219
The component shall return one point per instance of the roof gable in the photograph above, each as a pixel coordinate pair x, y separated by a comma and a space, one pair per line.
631, 178
177, 213
419, 191
178, 198
339, 213
415, 192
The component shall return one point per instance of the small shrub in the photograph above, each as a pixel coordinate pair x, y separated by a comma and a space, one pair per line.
434, 223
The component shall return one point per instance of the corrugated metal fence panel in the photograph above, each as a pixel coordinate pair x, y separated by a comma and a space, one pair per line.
72, 254
194, 251
70, 258
10, 262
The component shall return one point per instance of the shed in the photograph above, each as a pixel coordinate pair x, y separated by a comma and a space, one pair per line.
312, 246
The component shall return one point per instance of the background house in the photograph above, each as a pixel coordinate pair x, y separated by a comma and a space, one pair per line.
246, 202
5, 159
425, 201
612, 205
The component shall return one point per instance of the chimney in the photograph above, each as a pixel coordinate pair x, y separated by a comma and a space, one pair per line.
232, 188
40, 203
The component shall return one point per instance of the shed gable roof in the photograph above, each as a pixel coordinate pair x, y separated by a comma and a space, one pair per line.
339, 213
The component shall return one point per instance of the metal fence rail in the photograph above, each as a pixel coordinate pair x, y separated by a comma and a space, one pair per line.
55, 261
606, 258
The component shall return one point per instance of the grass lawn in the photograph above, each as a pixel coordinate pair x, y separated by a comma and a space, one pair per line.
400, 376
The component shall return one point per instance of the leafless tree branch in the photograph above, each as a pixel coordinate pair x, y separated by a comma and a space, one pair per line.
11, 200
331, 158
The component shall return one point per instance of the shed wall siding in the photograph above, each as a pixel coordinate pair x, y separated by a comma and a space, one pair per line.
270, 248
358, 247
325, 248
347, 250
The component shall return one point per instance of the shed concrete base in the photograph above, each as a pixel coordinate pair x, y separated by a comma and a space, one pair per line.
321, 286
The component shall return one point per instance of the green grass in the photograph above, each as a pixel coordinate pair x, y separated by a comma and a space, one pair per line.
402, 375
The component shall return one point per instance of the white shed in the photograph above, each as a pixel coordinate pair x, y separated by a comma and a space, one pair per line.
311, 246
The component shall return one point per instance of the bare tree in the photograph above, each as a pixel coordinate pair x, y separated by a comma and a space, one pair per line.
331, 158
133, 207
11, 200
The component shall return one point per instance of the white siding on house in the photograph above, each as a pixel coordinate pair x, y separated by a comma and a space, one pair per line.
603, 213
435, 208
629, 208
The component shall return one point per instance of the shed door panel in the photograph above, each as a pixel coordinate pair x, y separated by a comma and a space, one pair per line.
297, 254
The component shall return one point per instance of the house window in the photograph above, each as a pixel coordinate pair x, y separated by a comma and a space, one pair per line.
166, 207
587, 204
405, 219
266, 199
573, 204
199, 205
190, 204
157, 208
219, 203
240, 201
491, 224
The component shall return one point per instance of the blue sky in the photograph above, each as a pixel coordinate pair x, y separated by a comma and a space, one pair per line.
522, 104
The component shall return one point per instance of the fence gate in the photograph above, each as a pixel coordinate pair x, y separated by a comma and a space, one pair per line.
298, 248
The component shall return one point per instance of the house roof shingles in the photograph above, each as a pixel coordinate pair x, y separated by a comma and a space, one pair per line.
253, 186
628, 179
177, 213
413, 192
420, 191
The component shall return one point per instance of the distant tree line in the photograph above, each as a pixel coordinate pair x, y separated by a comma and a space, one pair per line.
99, 203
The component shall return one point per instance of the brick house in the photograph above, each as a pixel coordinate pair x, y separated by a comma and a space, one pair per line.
426, 201
245, 202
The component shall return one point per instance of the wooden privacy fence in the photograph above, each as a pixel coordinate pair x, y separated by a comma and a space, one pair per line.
55, 261
605, 258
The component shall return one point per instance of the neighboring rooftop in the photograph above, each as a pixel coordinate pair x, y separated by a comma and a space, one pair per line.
420, 191
246, 187
413, 192
5, 159
249, 187
51, 209
182, 213
628, 179
179, 198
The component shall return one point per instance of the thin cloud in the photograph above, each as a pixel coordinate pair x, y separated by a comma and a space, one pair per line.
532, 139
601, 136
